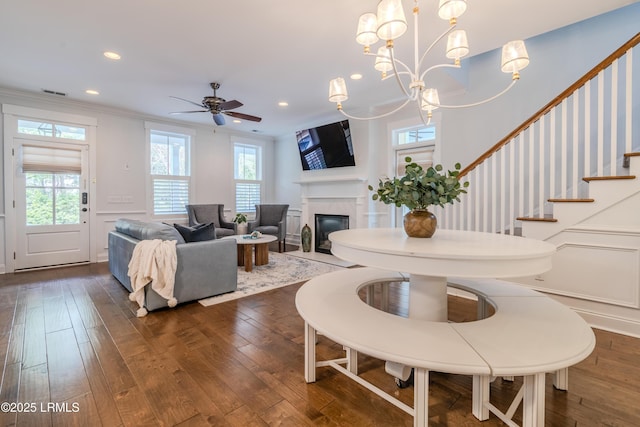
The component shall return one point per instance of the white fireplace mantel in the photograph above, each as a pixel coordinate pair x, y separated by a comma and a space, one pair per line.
334, 195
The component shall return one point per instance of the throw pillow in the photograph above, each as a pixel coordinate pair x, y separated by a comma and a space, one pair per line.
199, 233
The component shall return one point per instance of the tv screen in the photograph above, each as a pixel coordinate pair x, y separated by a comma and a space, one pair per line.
327, 146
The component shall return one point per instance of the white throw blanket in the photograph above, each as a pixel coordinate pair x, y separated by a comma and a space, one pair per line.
153, 261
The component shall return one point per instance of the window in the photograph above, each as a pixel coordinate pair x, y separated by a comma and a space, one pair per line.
247, 172
54, 130
417, 135
170, 171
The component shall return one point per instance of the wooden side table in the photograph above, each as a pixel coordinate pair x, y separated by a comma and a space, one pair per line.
245, 248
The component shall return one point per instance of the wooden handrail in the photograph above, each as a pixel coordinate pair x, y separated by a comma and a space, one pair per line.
555, 102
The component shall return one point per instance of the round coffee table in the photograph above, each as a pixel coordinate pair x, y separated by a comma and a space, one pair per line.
245, 247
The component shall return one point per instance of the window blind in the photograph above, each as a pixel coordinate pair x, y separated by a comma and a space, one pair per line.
47, 159
421, 156
247, 196
170, 195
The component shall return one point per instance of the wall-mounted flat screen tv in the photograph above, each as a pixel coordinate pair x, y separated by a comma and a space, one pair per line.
327, 146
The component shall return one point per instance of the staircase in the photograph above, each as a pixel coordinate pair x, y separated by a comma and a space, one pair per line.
570, 175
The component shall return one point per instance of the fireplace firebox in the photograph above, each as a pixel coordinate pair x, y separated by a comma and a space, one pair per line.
326, 224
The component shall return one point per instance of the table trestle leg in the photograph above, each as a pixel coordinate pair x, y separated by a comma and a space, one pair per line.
309, 353
421, 397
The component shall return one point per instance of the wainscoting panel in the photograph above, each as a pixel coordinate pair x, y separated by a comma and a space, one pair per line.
106, 223
602, 273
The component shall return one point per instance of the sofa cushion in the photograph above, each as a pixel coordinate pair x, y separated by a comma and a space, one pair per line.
198, 233
148, 230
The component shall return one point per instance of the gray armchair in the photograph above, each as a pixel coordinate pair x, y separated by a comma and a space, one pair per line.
203, 214
271, 219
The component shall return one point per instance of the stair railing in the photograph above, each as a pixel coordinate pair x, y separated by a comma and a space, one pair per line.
584, 131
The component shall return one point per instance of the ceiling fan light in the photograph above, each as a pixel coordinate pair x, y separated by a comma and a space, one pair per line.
338, 90
450, 10
367, 26
391, 20
514, 57
457, 45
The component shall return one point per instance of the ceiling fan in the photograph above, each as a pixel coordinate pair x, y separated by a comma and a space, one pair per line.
217, 107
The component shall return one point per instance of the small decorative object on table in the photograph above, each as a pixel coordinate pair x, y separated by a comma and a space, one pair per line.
254, 235
417, 190
305, 235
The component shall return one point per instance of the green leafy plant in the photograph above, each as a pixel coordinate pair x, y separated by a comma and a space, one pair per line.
419, 188
240, 218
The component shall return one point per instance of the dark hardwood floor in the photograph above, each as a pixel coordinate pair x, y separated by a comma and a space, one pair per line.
75, 354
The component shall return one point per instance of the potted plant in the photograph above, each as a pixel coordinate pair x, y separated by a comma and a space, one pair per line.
241, 223
417, 190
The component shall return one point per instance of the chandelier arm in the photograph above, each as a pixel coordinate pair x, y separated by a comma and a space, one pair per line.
484, 101
395, 72
424, 73
420, 112
426, 52
378, 116
408, 70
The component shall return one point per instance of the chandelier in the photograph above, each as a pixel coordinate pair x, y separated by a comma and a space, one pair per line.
389, 24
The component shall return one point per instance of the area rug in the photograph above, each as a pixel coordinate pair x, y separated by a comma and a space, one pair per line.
282, 270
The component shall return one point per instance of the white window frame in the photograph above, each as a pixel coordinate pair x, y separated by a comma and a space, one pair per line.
399, 151
151, 127
259, 174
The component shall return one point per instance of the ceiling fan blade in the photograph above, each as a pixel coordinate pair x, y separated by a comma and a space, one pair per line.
230, 105
184, 112
243, 116
190, 102
218, 118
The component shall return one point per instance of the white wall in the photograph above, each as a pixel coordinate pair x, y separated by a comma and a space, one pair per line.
558, 59
121, 163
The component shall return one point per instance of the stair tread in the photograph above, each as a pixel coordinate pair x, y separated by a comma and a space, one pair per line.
632, 154
570, 200
604, 178
526, 218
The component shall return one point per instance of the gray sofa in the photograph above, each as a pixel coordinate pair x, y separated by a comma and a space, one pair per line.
204, 269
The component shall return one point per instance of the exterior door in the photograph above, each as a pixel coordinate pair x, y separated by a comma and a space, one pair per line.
51, 203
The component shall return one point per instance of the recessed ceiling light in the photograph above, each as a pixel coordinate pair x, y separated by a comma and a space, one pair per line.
111, 55
356, 76
236, 121
283, 104
92, 92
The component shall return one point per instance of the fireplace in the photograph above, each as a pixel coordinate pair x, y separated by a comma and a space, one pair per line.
326, 224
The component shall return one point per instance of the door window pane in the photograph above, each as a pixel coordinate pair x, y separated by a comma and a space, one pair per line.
52, 198
39, 206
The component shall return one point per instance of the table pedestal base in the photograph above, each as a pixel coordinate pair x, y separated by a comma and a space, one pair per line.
428, 298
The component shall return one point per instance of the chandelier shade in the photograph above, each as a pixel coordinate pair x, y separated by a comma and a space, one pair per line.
338, 90
451, 10
514, 57
430, 100
457, 44
388, 24
367, 27
383, 60
391, 20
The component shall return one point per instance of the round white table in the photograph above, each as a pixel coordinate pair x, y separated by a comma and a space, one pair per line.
449, 253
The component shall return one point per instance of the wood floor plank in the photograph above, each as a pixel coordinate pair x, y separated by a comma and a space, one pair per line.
34, 389
153, 373
34, 350
66, 378
106, 407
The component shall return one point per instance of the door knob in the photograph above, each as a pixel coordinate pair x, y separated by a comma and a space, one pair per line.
84, 209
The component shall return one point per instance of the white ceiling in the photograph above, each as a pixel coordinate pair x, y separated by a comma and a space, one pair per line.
260, 51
